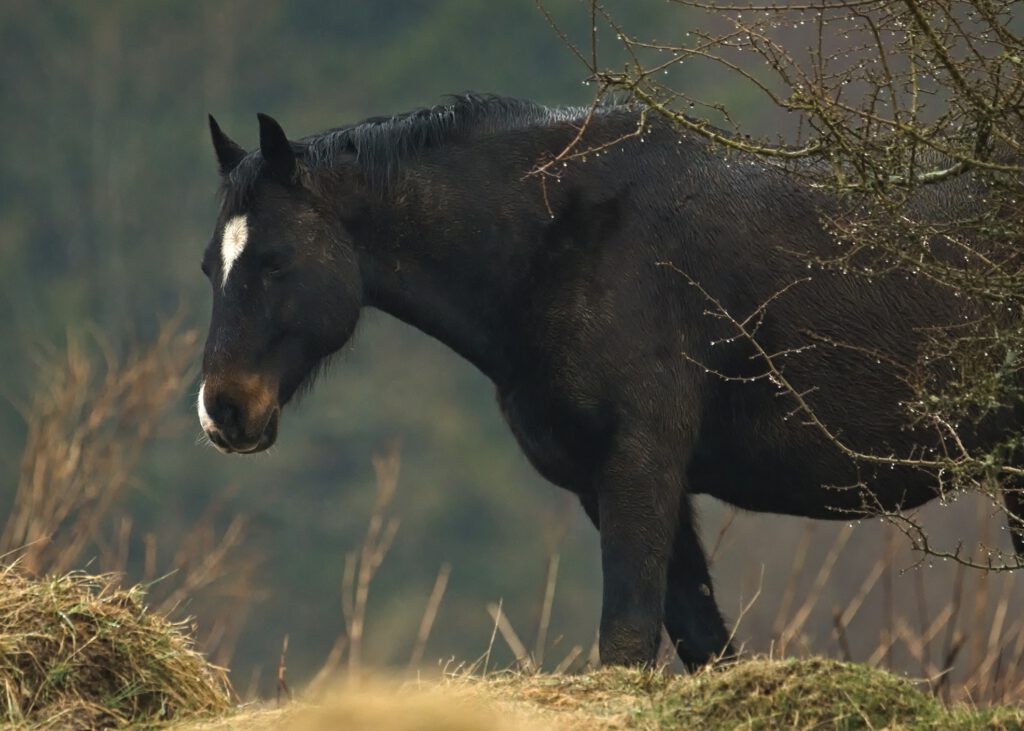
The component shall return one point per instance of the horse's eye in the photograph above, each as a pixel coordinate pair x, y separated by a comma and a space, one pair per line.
275, 265
206, 269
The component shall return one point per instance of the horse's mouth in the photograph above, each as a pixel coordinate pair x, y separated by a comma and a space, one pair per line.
240, 444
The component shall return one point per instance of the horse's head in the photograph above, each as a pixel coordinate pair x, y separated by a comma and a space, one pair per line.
286, 288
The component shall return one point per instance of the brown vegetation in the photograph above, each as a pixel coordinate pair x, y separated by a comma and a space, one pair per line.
88, 425
76, 652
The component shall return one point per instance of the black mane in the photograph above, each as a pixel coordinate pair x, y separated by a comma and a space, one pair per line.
382, 144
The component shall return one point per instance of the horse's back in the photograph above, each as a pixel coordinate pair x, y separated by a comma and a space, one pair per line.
699, 232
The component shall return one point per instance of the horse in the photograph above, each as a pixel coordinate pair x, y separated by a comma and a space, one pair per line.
571, 286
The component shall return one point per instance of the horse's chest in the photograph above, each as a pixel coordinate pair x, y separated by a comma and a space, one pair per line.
561, 442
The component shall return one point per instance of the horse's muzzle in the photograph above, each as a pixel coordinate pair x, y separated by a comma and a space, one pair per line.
239, 443
235, 425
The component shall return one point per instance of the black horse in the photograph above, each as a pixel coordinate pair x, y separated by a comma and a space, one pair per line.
555, 287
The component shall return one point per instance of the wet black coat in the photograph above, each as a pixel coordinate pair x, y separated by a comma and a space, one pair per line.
558, 289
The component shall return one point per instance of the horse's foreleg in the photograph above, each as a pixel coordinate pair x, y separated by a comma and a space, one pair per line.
692, 618
637, 501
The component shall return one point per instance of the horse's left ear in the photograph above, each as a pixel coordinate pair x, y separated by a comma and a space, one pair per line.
276, 149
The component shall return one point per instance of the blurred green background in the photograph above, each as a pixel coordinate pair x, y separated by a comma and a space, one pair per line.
107, 197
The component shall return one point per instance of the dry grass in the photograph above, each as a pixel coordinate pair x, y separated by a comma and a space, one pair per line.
384, 706
78, 652
88, 424
967, 647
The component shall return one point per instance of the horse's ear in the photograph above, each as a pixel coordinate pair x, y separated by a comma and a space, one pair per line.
229, 153
276, 149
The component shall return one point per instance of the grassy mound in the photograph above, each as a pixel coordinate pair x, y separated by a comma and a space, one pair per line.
78, 652
754, 694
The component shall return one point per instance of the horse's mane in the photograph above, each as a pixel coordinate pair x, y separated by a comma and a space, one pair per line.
381, 144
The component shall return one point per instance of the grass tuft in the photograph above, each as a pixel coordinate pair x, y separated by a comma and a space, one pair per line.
794, 693
813, 693
76, 651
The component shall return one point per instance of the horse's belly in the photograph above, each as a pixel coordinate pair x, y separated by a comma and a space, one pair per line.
804, 479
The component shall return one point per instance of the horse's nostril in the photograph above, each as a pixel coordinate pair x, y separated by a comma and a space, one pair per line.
225, 412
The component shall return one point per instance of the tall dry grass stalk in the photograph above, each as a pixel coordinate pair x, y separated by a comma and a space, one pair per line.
429, 615
88, 426
360, 568
968, 651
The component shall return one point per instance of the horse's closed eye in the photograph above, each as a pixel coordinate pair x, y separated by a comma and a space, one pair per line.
275, 266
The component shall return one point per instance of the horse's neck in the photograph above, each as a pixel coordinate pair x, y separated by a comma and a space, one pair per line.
441, 260
451, 248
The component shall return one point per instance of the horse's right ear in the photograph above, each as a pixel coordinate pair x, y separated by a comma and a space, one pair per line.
229, 153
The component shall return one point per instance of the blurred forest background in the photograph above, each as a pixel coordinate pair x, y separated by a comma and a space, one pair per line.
107, 197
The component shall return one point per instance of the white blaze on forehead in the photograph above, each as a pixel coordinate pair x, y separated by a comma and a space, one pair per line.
236, 234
